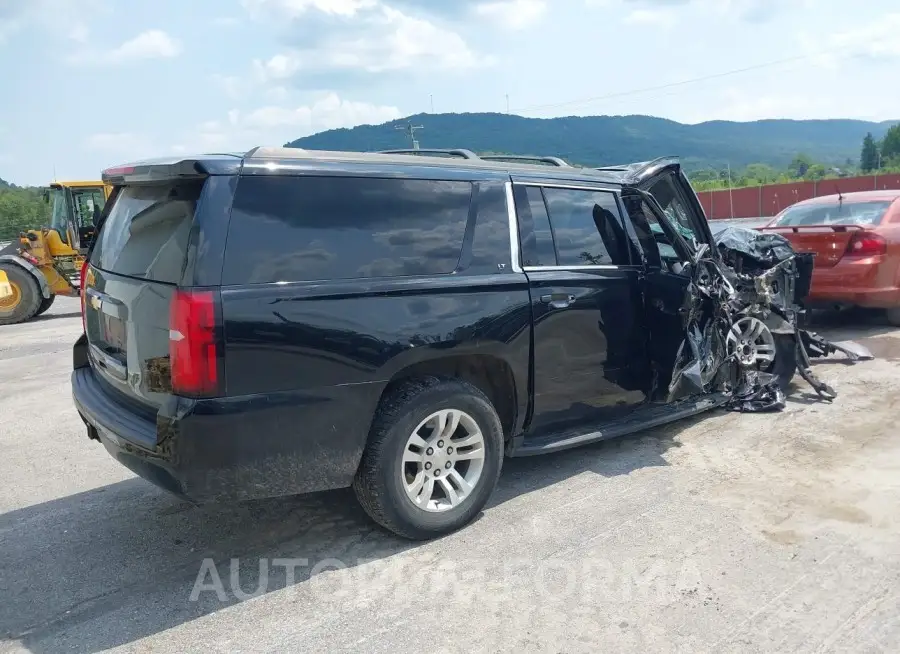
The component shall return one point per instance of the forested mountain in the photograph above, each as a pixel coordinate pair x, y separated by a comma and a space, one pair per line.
598, 140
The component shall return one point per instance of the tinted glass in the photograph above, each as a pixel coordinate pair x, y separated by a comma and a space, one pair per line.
319, 228
651, 236
835, 213
537, 237
665, 192
586, 227
490, 242
147, 231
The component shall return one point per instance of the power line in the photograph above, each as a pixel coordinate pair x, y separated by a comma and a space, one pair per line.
659, 87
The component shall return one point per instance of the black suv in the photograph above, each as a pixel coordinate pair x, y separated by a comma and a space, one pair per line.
286, 321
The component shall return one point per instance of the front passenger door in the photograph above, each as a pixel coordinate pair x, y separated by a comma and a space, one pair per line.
590, 360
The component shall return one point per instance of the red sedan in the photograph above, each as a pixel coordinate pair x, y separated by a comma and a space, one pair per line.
856, 241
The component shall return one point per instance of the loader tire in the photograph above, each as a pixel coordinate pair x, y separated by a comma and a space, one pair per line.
25, 301
46, 303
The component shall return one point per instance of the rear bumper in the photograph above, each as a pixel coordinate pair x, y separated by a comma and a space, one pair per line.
870, 282
232, 449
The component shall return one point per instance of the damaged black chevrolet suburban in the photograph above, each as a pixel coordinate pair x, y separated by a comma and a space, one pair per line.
286, 321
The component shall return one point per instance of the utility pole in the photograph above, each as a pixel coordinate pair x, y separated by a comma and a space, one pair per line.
730, 192
431, 97
411, 129
507, 103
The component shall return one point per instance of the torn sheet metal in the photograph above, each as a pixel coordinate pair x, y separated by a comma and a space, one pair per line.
741, 320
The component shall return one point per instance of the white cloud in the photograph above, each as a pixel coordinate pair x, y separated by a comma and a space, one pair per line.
329, 112
294, 8
64, 17
877, 40
276, 124
361, 36
152, 44
513, 14
663, 17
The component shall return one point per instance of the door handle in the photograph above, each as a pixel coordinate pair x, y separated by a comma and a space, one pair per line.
558, 300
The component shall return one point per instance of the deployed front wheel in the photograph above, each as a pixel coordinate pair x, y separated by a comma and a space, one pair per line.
433, 458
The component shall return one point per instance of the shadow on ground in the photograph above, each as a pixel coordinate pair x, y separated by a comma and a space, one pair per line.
113, 565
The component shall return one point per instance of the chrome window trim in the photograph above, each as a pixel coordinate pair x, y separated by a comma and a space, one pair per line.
577, 267
515, 254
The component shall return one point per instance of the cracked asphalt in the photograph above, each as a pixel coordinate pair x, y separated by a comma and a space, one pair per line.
725, 533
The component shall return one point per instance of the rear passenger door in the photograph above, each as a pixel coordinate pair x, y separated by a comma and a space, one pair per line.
590, 360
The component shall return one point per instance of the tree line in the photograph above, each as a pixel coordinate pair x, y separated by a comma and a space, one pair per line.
875, 156
20, 208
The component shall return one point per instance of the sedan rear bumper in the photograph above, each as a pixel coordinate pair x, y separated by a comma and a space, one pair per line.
868, 282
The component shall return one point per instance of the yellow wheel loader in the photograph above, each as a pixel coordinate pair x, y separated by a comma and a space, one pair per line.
46, 261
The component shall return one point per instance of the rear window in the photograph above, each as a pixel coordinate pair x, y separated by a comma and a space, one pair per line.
286, 229
147, 231
836, 213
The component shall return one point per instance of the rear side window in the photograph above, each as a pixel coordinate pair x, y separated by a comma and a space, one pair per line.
587, 228
321, 228
490, 241
147, 231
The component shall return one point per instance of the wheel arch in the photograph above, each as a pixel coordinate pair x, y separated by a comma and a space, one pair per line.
491, 374
31, 269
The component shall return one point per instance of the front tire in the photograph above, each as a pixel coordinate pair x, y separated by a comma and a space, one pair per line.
785, 365
433, 458
25, 300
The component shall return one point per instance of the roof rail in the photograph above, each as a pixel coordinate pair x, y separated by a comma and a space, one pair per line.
553, 161
455, 152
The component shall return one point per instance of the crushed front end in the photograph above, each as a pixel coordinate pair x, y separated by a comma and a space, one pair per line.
742, 317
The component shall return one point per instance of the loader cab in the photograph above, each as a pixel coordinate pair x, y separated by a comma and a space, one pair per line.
75, 208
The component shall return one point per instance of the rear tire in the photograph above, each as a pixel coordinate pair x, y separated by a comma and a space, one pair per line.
45, 304
893, 316
26, 299
385, 477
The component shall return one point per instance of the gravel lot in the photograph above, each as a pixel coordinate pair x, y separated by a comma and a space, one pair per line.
727, 533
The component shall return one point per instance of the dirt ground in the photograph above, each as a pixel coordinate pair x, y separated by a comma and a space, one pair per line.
724, 533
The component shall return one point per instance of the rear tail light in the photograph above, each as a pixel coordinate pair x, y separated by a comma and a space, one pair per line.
82, 282
866, 244
193, 344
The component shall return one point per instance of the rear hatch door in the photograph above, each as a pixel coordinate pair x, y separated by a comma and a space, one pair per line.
136, 264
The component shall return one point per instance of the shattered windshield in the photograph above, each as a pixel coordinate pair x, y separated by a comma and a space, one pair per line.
836, 213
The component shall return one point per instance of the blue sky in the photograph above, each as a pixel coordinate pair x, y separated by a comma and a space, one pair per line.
92, 83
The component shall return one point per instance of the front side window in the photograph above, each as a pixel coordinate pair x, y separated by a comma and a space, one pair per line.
587, 227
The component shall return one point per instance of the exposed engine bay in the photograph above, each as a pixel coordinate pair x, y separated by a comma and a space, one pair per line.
741, 316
